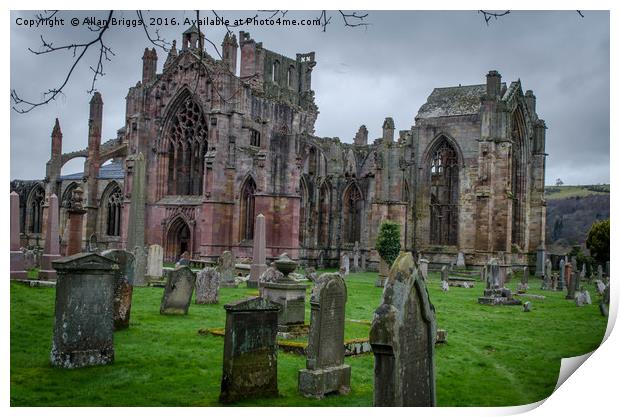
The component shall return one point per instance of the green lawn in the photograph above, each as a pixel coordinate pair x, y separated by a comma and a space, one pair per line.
495, 356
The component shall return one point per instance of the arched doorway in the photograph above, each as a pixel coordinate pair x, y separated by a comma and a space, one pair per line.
178, 240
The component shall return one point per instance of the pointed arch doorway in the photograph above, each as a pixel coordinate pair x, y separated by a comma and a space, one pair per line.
178, 240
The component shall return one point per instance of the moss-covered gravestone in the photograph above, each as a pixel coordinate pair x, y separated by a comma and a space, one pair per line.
178, 292
84, 324
250, 366
325, 370
402, 338
123, 286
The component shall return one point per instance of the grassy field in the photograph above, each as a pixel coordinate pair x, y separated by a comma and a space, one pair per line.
568, 191
495, 356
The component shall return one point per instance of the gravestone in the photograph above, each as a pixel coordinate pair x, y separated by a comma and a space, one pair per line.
250, 365
207, 286
423, 268
344, 264
92, 244
582, 274
540, 261
444, 273
136, 168
445, 286
259, 252
155, 263
325, 370
17, 256
84, 324
495, 293
527, 306
524, 285
178, 292
402, 337
356, 257
562, 280
599, 273
460, 260
547, 284
30, 260
572, 286
226, 268
600, 286
568, 272
604, 304
51, 250
140, 261
74, 228
123, 288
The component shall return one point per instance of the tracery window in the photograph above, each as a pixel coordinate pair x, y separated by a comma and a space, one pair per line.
113, 205
36, 201
247, 210
187, 146
518, 180
352, 214
444, 194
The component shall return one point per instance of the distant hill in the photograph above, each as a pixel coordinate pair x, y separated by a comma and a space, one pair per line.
571, 210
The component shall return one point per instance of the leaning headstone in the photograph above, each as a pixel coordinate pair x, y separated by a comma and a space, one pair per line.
155, 263
139, 274
226, 267
423, 268
51, 251
460, 260
527, 306
402, 337
325, 370
84, 324
17, 256
344, 264
207, 286
178, 292
123, 289
259, 252
250, 366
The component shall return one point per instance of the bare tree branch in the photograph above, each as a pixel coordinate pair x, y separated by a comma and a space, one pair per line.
490, 15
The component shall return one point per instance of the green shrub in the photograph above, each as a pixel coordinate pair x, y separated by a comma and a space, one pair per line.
598, 241
388, 241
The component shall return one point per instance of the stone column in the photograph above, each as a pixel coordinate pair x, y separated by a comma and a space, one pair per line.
259, 263
52, 243
76, 220
17, 256
135, 223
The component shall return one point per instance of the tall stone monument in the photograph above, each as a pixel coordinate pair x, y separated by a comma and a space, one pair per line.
84, 325
136, 169
325, 370
17, 256
178, 292
540, 261
51, 251
250, 365
75, 223
123, 286
402, 337
356, 258
562, 280
259, 254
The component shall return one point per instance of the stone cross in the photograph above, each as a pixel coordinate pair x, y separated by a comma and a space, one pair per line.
226, 267
325, 370
259, 252
17, 256
178, 292
123, 288
402, 337
155, 263
76, 219
207, 286
344, 264
250, 365
84, 325
51, 251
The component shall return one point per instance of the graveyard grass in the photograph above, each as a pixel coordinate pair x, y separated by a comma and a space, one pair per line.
495, 356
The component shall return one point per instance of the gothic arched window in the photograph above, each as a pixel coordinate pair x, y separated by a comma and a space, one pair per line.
352, 210
275, 71
113, 210
518, 179
35, 208
247, 209
290, 76
444, 194
323, 220
303, 203
187, 146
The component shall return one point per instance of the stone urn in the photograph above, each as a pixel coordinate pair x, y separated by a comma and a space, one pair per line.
285, 265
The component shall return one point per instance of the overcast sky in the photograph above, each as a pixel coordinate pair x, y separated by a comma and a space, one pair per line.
362, 75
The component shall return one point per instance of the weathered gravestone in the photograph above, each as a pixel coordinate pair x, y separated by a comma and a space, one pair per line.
445, 287
527, 306
562, 280
423, 268
402, 337
325, 370
495, 293
444, 273
207, 286
259, 252
572, 286
17, 256
155, 263
250, 366
600, 286
356, 258
568, 272
540, 261
546, 284
460, 260
123, 287
344, 264
84, 324
604, 304
178, 292
140, 261
226, 268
